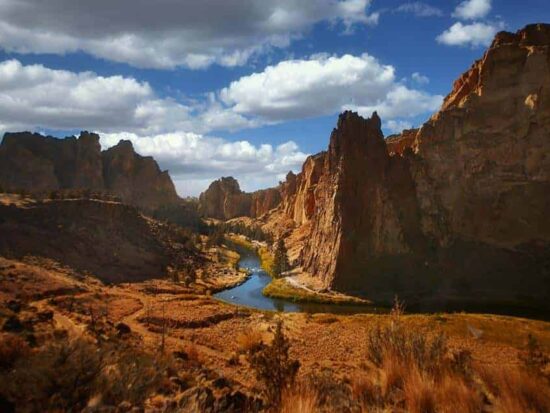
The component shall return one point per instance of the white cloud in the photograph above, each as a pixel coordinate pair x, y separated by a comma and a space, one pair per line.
195, 160
401, 102
167, 33
475, 34
472, 9
420, 79
323, 85
397, 126
35, 97
419, 9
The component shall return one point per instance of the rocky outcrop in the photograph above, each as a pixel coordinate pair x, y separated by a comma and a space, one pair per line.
36, 163
299, 190
224, 200
137, 179
454, 209
398, 143
264, 200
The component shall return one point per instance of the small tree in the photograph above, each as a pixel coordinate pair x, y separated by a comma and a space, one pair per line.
280, 262
216, 237
273, 366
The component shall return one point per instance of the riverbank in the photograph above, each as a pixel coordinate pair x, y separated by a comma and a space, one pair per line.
292, 288
261, 248
289, 288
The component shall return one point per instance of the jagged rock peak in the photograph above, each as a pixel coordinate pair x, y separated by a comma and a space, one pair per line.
348, 118
491, 73
123, 145
224, 200
39, 163
88, 136
537, 34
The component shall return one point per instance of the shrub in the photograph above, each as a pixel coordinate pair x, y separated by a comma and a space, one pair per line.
133, 376
406, 346
66, 375
280, 260
62, 376
12, 348
534, 357
249, 341
273, 367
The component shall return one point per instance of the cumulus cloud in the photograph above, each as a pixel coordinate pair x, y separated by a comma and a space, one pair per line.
167, 33
472, 9
397, 126
420, 79
36, 97
474, 35
323, 85
401, 102
194, 160
419, 9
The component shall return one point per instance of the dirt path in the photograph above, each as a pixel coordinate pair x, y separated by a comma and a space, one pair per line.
297, 284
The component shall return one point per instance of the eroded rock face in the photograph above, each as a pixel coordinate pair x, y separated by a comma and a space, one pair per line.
137, 179
457, 207
264, 200
224, 200
36, 163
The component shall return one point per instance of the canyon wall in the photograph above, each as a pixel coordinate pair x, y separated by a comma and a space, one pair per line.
224, 200
456, 208
36, 163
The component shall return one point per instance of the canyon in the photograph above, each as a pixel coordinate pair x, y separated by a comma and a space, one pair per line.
454, 209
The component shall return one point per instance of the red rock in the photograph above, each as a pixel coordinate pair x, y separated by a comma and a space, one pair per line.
458, 207
224, 200
36, 163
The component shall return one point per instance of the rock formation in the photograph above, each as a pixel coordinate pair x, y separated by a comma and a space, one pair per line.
224, 200
137, 179
457, 208
36, 163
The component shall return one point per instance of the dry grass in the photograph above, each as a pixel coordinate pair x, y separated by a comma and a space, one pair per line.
366, 391
302, 399
516, 390
193, 355
418, 391
249, 341
454, 394
393, 372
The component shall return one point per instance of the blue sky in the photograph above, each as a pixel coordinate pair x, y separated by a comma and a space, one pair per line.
241, 87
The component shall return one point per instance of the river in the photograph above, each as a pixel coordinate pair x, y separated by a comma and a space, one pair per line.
249, 293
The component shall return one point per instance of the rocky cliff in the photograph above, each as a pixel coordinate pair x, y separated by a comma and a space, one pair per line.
225, 200
457, 208
36, 163
137, 179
